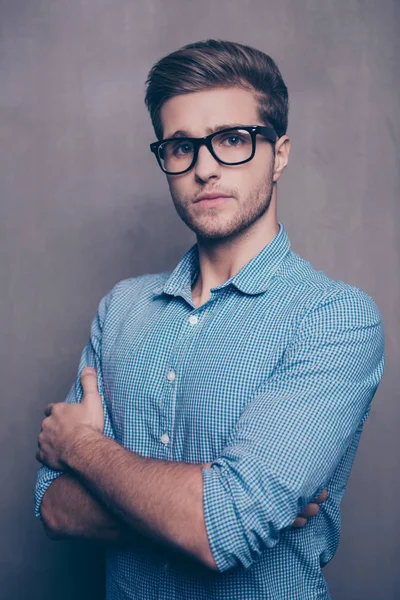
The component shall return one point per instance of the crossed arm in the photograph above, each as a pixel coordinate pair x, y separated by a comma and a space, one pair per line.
153, 498
113, 495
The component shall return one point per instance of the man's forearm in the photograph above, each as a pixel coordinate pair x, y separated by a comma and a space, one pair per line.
159, 498
69, 510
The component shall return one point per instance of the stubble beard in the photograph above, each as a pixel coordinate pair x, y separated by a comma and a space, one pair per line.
209, 223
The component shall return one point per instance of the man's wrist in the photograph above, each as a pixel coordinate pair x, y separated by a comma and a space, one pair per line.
76, 450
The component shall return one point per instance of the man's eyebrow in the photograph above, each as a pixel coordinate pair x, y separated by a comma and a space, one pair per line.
183, 133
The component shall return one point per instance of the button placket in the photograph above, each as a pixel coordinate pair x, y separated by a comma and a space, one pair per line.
165, 438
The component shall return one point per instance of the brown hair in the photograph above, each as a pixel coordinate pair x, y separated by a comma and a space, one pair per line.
219, 63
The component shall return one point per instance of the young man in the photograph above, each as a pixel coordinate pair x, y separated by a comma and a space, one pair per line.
229, 392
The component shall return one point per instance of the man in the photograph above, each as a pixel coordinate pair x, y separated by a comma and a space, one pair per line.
228, 393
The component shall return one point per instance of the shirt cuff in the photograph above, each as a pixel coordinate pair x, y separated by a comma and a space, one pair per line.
45, 477
221, 521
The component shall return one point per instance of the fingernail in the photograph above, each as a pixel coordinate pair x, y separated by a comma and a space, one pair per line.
87, 370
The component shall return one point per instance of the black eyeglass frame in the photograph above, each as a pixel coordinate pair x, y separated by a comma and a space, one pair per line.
268, 132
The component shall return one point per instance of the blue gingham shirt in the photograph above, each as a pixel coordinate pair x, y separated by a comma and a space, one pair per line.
272, 380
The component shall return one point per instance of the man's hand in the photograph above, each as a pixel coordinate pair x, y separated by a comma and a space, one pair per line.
64, 420
310, 510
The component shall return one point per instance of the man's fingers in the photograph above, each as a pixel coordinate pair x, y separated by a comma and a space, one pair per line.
89, 381
299, 522
322, 497
310, 510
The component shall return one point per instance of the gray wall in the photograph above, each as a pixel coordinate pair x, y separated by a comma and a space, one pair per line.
83, 205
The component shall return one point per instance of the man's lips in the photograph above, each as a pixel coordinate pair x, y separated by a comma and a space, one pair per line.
212, 202
211, 196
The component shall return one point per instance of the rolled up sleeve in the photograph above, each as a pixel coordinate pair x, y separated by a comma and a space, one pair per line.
90, 357
293, 433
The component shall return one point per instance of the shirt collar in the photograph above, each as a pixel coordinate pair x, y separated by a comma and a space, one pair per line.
253, 278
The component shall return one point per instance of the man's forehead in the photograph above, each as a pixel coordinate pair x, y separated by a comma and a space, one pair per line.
199, 113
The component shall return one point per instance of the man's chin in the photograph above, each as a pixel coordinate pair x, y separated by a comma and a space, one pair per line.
213, 228
214, 234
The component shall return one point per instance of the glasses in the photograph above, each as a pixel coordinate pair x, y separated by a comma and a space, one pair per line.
231, 146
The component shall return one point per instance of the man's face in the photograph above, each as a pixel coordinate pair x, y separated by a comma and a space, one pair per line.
249, 185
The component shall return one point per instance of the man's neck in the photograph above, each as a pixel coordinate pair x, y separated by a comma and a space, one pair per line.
220, 261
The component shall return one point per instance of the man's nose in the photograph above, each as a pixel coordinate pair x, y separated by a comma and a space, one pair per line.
206, 165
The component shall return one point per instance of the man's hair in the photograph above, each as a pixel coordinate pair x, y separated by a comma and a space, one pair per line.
218, 63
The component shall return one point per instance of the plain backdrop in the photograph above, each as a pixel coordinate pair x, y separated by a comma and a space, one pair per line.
83, 205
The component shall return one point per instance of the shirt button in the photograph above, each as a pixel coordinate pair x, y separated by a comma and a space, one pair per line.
171, 376
193, 319
165, 438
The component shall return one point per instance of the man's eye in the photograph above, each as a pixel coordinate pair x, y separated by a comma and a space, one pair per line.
233, 140
185, 148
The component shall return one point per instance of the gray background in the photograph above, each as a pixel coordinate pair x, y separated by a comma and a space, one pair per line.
83, 205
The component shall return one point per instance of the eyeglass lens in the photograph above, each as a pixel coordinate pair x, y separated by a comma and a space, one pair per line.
232, 147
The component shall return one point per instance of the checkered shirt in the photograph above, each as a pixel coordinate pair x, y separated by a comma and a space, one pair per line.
272, 380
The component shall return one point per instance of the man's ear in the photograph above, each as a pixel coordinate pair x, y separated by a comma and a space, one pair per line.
282, 149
